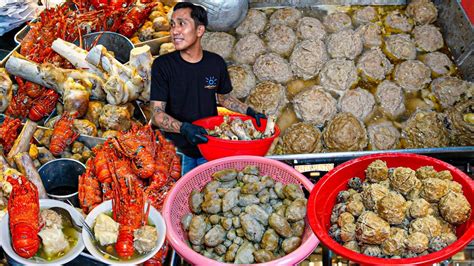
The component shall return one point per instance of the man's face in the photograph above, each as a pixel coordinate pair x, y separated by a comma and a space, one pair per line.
184, 32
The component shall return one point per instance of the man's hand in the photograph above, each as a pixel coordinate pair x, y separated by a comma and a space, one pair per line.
194, 134
251, 112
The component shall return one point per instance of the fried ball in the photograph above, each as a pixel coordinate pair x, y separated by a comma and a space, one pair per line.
400, 47
365, 15
461, 128
392, 208
220, 43
338, 75
254, 22
383, 136
425, 129
242, 79
439, 63
428, 225
402, 179
286, 16
391, 98
268, 97
302, 138
448, 90
370, 34
420, 208
280, 39
417, 242
434, 189
396, 22
272, 67
428, 38
248, 48
412, 75
337, 21
425, 172
344, 44
310, 28
348, 232
455, 208
308, 58
395, 243
377, 171
445, 174
422, 11
358, 102
372, 194
345, 133
371, 229
315, 106
455, 187
373, 65
355, 207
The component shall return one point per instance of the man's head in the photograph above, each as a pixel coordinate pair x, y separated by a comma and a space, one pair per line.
188, 24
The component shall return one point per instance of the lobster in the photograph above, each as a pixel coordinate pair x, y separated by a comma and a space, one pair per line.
33, 90
127, 205
24, 210
89, 192
112, 4
63, 134
43, 105
135, 18
102, 171
21, 102
9, 133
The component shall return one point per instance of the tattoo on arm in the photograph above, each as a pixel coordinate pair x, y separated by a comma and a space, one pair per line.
232, 103
162, 120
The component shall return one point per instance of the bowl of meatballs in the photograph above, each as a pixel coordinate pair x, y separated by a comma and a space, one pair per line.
393, 208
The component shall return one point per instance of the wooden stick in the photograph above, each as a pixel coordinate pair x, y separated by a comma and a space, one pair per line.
27, 168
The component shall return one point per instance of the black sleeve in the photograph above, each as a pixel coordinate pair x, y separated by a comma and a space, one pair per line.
159, 89
225, 85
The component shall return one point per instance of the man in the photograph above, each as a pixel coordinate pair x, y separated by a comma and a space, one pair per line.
185, 83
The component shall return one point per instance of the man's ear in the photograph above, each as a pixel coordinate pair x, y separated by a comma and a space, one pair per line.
200, 30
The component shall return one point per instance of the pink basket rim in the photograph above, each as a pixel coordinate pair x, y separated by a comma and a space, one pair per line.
182, 248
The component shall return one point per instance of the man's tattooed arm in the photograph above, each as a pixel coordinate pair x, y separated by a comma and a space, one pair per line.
163, 120
232, 103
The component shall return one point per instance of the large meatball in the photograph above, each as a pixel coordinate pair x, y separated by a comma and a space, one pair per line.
254, 22
310, 28
268, 97
461, 126
448, 90
400, 47
422, 11
425, 129
455, 208
391, 98
428, 38
434, 189
302, 138
344, 43
371, 35
403, 180
371, 229
358, 102
220, 43
365, 15
338, 75
396, 22
372, 194
248, 48
412, 75
439, 63
374, 65
286, 16
242, 79
345, 133
383, 136
280, 39
392, 208
272, 67
337, 21
315, 106
308, 58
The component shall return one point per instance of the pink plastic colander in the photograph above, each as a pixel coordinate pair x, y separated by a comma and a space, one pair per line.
176, 205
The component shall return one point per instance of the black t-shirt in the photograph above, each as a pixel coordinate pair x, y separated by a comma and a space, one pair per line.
189, 90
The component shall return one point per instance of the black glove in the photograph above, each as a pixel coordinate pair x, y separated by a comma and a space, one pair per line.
194, 134
251, 112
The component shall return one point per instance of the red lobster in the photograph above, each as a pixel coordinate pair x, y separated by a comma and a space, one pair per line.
102, 171
89, 192
63, 134
43, 105
9, 133
127, 205
21, 102
135, 18
112, 4
23, 209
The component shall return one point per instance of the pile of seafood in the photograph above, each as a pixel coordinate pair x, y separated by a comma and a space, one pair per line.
233, 128
359, 78
34, 232
157, 24
244, 217
399, 212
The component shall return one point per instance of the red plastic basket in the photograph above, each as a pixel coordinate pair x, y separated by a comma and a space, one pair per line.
323, 198
176, 205
217, 148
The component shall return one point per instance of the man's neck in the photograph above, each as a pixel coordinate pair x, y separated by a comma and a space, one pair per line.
193, 54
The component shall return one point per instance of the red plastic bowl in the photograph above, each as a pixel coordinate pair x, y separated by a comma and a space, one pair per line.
323, 197
217, 148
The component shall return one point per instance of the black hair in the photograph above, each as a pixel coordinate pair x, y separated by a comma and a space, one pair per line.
198, 13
